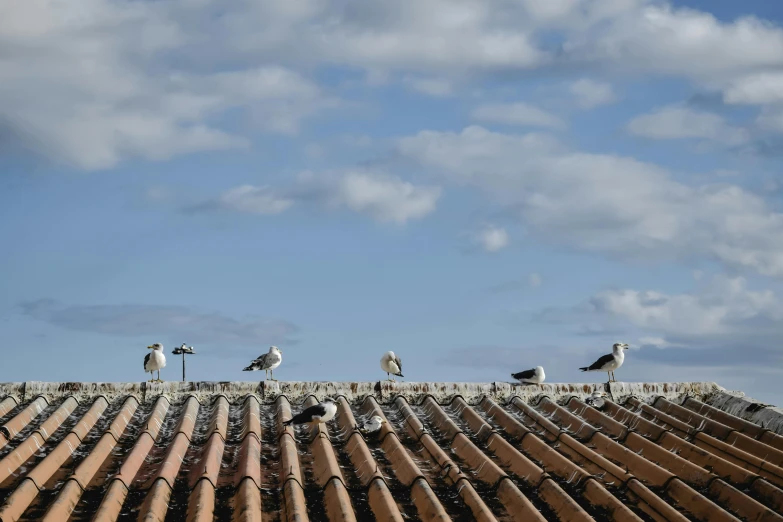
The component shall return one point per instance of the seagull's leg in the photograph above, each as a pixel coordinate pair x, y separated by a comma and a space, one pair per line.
271, 375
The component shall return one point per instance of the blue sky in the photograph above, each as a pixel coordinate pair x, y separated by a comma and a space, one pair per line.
481, 187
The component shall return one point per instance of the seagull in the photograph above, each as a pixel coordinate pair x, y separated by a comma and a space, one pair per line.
391, 364
596, 400
267, 362
155, 360
533, 376
320, 413
610, 362
372, 426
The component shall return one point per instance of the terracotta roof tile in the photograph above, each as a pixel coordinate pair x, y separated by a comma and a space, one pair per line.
487, 452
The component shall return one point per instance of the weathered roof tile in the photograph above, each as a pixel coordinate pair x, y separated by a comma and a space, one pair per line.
449, 451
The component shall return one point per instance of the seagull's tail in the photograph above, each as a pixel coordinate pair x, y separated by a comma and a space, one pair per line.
249, 368
399, 374
288, 422
585, 368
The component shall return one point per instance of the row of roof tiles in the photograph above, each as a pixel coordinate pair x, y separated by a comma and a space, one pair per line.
209, 458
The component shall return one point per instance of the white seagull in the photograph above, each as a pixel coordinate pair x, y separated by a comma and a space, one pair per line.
610, 362
267, 362
373, 425
391, 364
533, 376
155, 360
318, 414
596, 400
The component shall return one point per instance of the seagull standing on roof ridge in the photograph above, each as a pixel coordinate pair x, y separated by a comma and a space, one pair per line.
318, 414
533, 376
155, 360
610, 362
267, 362
391, 364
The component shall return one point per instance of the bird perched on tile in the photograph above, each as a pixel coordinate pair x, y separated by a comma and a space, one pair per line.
267, 362
372, 426
155, 360
596, 400
610, 362
391, 364
533, 376
318, 414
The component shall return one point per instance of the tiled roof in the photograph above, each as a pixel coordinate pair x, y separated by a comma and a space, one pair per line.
218, 451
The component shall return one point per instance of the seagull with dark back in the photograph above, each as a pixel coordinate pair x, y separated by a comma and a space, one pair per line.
533, 376
318, 414
610, 362
155, 360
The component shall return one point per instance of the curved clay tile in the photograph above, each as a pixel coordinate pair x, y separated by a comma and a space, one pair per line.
484, 451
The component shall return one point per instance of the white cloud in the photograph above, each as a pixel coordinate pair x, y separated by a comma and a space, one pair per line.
96, 83
520, 114
604, 203
657, 342
432, 86
535, 280
382, 197
83, 85
717, 307
757, 89
249, 199
676, 122
652, 38
721, 314
722, 321
590, 94
492, 238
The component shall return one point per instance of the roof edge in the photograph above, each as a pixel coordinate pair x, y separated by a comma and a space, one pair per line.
734, 403
381, 390
740, 405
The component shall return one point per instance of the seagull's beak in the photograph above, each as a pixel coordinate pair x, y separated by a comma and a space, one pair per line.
384, 421
150, 347
625, 346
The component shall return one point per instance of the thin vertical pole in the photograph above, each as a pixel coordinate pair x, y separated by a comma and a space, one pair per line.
183, 366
